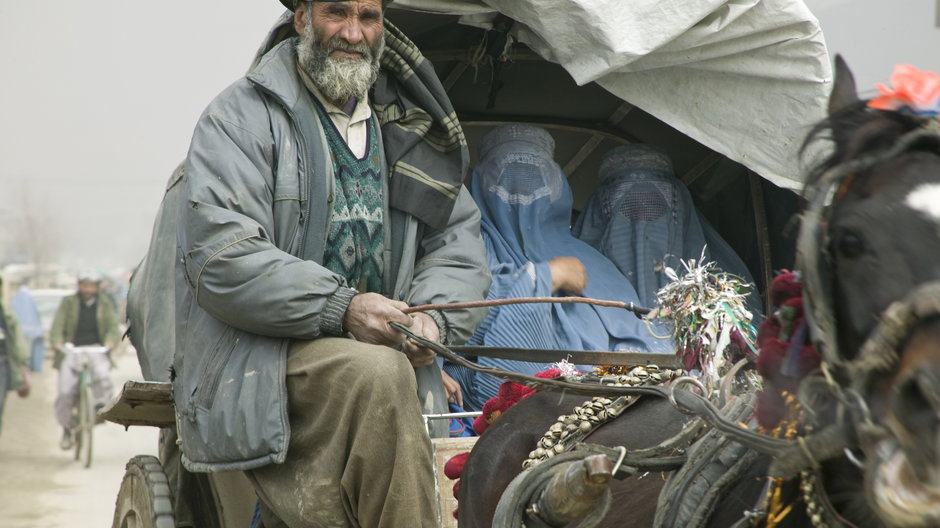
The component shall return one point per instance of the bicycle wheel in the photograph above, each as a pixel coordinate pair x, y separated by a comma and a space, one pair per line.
78, 425
86, 414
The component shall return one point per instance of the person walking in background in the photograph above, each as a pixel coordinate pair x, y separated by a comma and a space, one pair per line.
83, 319
28, 314
14, 375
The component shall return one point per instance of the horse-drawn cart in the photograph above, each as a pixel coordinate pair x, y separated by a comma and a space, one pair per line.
146, 498
727, 89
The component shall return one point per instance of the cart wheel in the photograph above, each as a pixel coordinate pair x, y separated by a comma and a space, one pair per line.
144, 499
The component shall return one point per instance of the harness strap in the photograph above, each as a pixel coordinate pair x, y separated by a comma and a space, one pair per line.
806, 453
715, 463
571, 429
879, 352
819, 509
633, 461
683, 400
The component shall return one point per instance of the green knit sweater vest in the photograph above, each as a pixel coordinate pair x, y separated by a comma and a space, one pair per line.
356, 241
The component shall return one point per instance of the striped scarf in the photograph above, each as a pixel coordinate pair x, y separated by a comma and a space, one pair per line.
425, 147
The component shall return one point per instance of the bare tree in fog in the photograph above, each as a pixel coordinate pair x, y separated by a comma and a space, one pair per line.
34, 231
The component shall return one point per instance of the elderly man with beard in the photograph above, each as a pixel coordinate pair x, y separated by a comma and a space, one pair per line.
323, 196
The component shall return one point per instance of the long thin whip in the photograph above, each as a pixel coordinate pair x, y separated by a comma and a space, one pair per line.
639, 310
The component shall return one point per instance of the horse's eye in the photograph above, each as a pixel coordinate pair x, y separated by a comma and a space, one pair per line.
850, 245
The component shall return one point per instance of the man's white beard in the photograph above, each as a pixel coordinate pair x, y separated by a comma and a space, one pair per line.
339, 79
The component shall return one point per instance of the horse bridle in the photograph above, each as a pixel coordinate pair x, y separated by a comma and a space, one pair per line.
878, 353
812, 254
847, 379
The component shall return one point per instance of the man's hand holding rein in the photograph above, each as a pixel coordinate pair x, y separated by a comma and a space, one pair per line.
425, 326
367, 319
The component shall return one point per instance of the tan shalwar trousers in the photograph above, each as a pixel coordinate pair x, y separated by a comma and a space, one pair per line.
359, 455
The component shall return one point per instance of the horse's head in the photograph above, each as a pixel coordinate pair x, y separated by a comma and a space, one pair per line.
881, 245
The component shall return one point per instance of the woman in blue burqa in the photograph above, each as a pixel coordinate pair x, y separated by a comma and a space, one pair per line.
643, 219
31, 324
525, 203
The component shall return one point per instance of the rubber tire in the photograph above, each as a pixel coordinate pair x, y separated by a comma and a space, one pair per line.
144, 500
86, 411
79, 433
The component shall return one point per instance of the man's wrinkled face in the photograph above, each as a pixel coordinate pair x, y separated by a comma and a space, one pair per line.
340, 45
88, 290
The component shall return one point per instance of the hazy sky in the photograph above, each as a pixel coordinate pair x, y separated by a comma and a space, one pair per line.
98, 100
97, 105
874, 35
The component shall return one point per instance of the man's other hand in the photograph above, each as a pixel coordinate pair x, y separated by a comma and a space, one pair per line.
568, 275
452, 389
367, 319
423, 325
27, 384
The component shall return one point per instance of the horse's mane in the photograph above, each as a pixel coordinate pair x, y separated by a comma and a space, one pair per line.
857, 129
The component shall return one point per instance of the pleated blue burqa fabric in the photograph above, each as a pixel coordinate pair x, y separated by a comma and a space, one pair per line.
643, 218
525, 203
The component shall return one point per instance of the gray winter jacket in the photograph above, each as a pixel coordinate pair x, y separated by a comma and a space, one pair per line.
253, 222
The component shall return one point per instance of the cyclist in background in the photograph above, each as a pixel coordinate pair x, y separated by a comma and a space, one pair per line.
83, 319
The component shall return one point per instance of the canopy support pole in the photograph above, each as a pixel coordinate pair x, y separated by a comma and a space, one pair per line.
592, 142
455, 74
763, 234
700, 168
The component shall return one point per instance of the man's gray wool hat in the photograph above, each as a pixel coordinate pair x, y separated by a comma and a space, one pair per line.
292, 4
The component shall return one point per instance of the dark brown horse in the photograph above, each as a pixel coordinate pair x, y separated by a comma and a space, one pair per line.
871, 446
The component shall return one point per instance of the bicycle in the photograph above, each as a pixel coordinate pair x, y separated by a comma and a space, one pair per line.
86, 402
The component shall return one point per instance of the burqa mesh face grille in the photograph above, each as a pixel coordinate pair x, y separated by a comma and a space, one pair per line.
643, 206
642, 202
521, 183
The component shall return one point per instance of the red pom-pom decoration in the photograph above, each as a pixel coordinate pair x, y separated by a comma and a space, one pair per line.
508, 395
511, 391
768, 329
769, 362
785, 286
549, 374
479, 425
454, 467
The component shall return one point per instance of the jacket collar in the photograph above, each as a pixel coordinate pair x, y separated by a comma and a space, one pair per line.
276, 72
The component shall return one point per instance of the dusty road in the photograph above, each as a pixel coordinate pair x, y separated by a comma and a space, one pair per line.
42, 486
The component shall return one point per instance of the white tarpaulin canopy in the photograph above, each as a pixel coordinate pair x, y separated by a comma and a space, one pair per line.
746, 78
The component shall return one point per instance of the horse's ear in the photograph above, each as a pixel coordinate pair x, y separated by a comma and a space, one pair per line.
844, 92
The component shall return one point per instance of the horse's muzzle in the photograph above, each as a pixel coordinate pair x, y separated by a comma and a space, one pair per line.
905, 480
